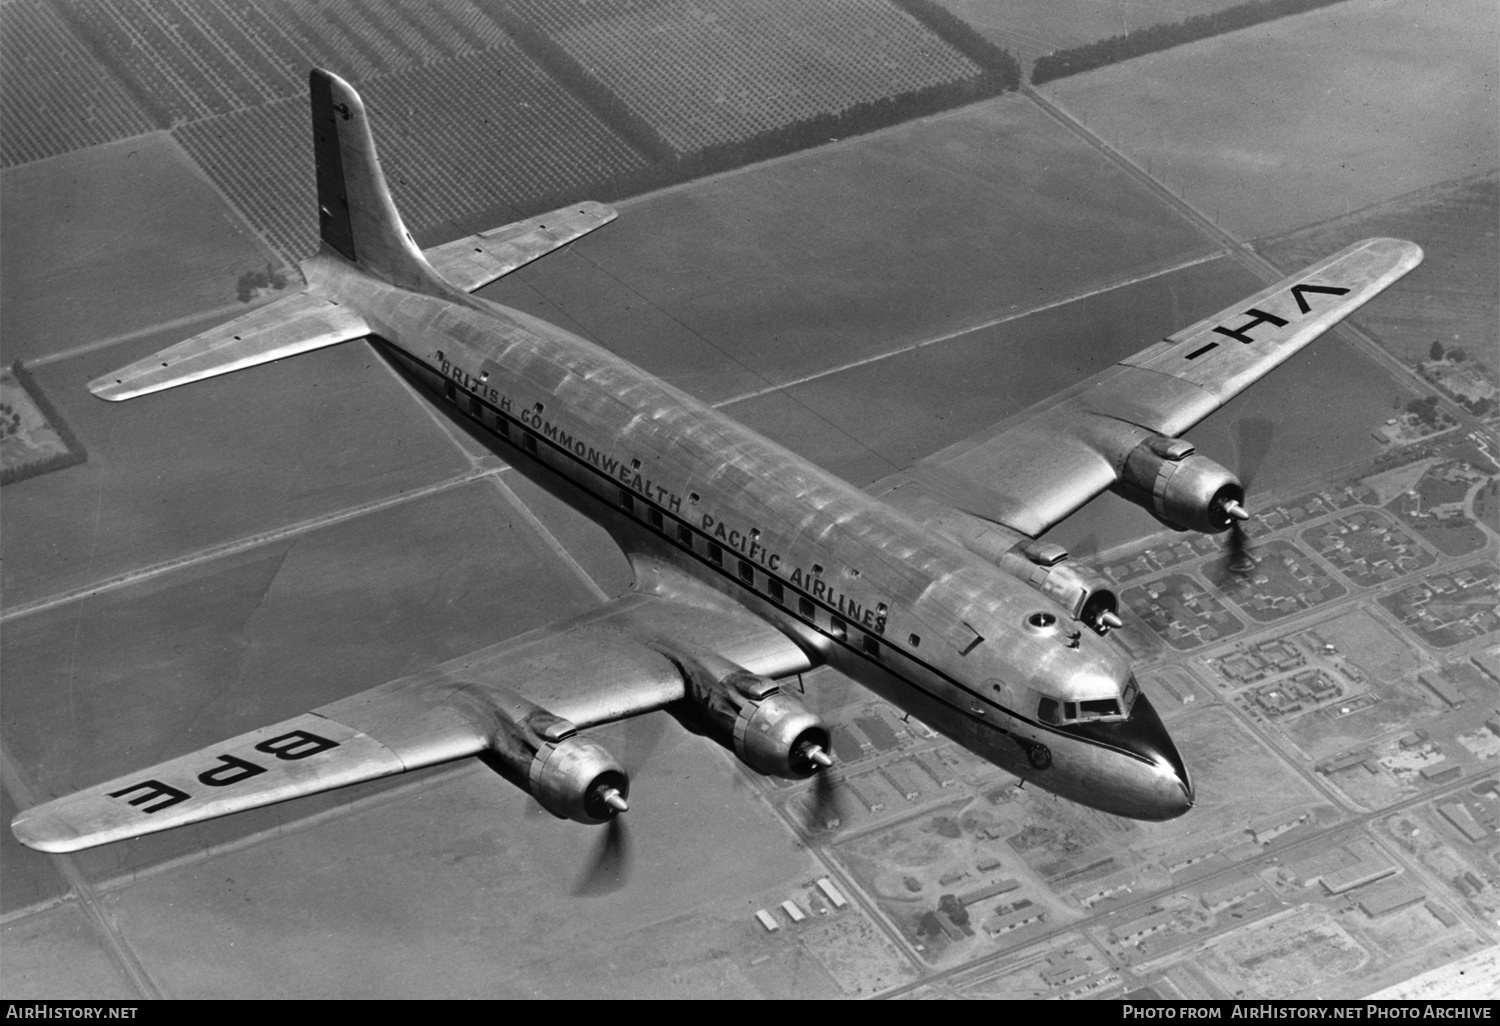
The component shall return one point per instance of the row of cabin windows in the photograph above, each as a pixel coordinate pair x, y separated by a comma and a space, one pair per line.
774, 588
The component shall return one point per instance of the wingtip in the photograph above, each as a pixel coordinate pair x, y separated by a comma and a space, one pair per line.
40, 832
111, 388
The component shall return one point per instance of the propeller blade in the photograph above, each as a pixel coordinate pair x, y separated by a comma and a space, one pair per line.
609, 868
1253, 437
823, 811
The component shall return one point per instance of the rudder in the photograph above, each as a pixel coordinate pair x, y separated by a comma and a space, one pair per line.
357, 218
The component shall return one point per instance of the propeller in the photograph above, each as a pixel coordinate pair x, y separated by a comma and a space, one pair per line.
1252, 442
608, 868
824, 812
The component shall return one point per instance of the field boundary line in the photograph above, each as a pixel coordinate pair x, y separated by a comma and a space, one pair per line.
959, 333
93, 911
244, 544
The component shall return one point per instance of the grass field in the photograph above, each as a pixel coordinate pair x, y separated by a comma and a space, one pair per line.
110, 240
1452, 298
1309, 117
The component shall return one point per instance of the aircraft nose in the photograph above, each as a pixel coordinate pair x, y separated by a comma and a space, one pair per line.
1145, 735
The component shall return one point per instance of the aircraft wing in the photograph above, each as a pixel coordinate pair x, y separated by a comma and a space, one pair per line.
294, 324
593, 669
476, 260
1037, 468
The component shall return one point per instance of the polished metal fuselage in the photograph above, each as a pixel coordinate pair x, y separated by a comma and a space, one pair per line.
924, 623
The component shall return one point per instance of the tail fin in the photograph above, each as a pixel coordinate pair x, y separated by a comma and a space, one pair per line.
357, 217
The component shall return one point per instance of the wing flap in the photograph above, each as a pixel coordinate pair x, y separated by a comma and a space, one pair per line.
295, 324
476, 260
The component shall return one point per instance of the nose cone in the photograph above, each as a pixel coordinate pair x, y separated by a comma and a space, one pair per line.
1171, 790
1145, 777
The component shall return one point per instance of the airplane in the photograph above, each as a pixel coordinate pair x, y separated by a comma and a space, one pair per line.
933, 588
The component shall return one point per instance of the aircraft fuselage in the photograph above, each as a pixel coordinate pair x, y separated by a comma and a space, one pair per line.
922, 622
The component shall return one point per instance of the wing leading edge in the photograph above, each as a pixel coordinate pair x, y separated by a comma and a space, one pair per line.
1032, 471
594, 669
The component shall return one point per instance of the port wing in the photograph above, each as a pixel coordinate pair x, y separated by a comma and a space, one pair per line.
476, 260
298, 323
593, 669
1040, 466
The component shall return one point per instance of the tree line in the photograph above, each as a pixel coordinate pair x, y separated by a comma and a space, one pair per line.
1152, 38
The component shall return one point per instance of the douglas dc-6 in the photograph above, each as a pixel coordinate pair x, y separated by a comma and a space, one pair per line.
931, 588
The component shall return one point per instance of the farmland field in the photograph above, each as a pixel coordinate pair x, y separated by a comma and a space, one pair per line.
715, 71
496, 135
1308, 117
191, 60
1451, 298
802, 265
1030, 28
57, 96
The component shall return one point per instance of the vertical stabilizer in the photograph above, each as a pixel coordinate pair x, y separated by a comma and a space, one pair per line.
356, 216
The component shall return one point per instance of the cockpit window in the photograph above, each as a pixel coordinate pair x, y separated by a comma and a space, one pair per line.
1127, 700
1046, 711
1099, 707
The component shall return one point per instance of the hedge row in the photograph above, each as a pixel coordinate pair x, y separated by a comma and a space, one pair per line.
1163, 37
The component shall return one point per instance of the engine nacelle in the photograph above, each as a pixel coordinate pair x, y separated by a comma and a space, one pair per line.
1086, 594
577, 778
571, 776
772, 732
1185, 490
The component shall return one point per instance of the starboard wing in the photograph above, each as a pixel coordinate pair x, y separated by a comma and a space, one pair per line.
1030, 472
294, 324
593, 669
476, 260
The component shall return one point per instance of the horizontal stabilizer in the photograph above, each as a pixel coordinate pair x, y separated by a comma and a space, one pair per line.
476, 260
296, 324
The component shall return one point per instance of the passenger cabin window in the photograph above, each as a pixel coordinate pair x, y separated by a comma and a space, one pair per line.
778, 594
450, 391
837, 628
747, 572
627, 502
529, 444
685, 534
654, 515
872, 647
805, 607
716, 553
